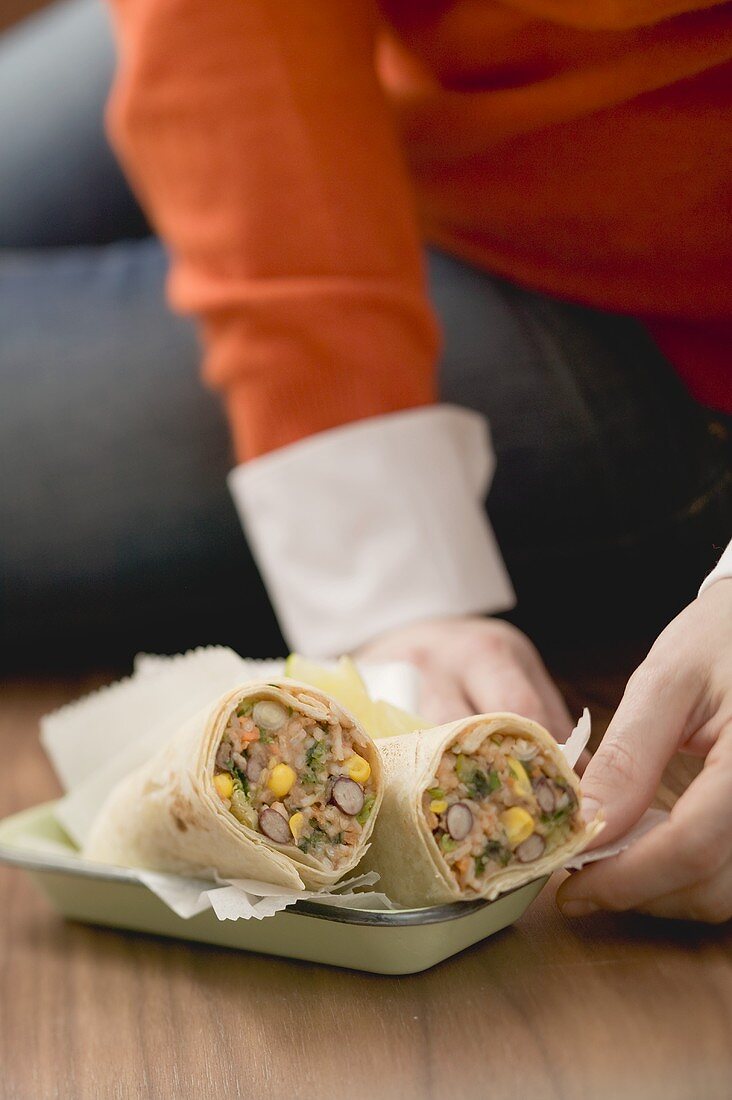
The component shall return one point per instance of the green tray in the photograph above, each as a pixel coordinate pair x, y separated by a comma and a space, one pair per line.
400, 942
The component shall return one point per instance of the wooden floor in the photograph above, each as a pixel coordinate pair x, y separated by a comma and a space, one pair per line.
11, 11
613, 1007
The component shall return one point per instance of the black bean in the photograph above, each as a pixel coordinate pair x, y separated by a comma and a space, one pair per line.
223, 755
459, 820
348, 796
531, 849
545, 795
564, 797
275, 826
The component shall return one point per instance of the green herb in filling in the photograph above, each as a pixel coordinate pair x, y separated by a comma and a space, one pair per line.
242, 809
365, 812
556, 817
483, 785
477, 783
495, 851
462, 768
244, 709
436, 792
315, 761
447, 843
558, 835
314, 840
241, 783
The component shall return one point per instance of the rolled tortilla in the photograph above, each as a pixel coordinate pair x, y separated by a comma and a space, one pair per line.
474, 809
273, 781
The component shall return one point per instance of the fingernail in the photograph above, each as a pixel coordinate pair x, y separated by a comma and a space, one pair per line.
579, 907
589, 809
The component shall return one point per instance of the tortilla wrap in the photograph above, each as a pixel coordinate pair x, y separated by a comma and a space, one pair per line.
168, 815
413, 870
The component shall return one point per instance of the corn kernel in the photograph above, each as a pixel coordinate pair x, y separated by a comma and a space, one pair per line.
281, 780
358, 768
438, 805
296, 824
224, 785
519, 825
520, 782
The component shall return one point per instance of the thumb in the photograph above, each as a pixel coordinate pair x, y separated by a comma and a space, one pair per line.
622, 778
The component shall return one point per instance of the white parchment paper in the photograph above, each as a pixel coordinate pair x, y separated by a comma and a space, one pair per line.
246, 899
573, 748
141, 711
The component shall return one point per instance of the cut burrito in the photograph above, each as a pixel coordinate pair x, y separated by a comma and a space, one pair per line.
474, 809
274, 782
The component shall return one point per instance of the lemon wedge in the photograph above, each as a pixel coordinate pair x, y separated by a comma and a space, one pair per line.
345, 684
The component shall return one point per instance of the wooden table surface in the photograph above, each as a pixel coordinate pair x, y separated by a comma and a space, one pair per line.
611, 1007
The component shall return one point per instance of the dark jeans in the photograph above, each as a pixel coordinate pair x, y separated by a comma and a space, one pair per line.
613, 492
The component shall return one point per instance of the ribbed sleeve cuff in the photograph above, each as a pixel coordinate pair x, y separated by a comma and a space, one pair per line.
374, 525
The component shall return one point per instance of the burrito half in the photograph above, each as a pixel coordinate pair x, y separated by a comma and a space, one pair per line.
473, 809
273, 782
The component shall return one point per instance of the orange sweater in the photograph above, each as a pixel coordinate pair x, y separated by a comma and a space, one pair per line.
296, 154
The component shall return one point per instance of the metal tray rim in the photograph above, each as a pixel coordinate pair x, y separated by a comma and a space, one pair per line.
16, 856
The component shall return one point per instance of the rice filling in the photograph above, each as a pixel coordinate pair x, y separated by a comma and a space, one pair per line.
295, 774
504, 803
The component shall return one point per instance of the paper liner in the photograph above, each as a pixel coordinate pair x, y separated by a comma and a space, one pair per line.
144, 706
404, 850
139, 711
578, 739
247, 899
167, 815
650, 819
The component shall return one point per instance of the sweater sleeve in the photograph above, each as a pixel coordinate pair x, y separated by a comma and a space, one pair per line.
258, 139
610, 15
261, 146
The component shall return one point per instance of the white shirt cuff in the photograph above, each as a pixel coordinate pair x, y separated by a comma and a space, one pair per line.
374, 525
722, 570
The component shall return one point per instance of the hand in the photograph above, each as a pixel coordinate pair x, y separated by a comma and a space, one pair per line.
678, 700
471, 666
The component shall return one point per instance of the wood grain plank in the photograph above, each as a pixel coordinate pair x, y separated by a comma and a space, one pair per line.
614, 1006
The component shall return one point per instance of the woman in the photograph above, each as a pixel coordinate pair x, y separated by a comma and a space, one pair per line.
566, 170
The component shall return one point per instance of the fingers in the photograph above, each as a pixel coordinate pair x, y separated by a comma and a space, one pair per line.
680, 868
559, 721
476, 665
506, 683
442, 699
646, 730
581, 765
505, 672
709, 901
503, 685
